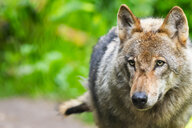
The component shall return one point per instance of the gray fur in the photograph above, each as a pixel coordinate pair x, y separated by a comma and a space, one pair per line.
98, 52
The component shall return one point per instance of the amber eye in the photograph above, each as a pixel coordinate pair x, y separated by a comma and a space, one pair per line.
159, 63
131, 62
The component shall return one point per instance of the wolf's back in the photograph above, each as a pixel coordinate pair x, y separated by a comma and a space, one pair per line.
98, 52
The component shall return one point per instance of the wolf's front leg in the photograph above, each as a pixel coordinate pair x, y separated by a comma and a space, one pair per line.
74, 106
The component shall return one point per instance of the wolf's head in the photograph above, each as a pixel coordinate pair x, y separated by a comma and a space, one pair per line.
152, 52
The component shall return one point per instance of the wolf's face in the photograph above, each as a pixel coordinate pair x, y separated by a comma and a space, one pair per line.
151, 49
149, 66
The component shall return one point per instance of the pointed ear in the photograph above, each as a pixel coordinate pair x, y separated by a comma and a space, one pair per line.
127, 22
176, 25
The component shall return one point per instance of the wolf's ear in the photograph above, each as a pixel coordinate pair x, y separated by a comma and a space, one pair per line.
176, 25
127, 22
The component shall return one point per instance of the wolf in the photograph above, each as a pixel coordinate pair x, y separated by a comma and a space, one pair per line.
140, 74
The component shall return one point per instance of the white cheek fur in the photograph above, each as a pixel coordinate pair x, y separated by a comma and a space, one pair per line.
160, 70
160, 89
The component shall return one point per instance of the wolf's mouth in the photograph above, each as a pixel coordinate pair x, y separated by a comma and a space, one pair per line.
143, 108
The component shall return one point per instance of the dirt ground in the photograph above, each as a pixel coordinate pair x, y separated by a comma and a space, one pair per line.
25, 113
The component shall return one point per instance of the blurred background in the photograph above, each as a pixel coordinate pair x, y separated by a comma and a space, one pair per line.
45, 45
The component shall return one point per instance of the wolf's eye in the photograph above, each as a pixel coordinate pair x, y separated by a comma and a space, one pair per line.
159, 63
131, 62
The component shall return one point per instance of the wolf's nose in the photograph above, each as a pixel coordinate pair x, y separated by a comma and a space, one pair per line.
139, 99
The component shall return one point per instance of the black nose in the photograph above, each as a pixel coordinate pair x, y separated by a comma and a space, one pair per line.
139, 99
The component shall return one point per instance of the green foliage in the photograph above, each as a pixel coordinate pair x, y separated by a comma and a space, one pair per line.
45, 45
163, 6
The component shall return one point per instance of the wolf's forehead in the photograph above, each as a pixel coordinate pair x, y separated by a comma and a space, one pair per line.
151, 24
148, 43
145, 56
147, 46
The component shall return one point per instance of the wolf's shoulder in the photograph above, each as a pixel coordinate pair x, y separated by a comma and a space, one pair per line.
99, 50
